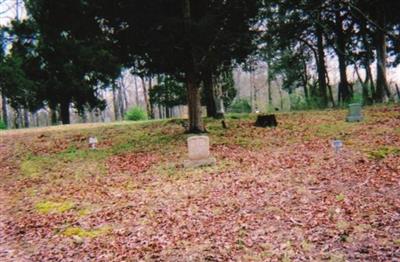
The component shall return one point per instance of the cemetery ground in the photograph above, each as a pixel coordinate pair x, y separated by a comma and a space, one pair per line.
279, 194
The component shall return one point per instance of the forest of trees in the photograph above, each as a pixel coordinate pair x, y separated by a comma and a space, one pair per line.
67, 55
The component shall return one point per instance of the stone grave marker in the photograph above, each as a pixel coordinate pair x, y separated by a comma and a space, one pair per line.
93, 142
355, 114
337, 145
199, 152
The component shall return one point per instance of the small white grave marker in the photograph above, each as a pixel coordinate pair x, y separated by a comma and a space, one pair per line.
93, 142
199, 152
337, 145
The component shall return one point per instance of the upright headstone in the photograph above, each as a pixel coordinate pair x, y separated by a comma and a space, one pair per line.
355, 114
199, 152
93, 142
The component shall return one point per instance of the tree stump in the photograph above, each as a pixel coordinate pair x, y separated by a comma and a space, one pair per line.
266, 121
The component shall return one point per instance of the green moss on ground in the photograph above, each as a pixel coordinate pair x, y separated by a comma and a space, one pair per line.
86, 233
50, 207
383, 152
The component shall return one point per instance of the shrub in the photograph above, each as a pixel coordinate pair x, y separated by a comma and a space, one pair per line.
136, 114
240, 106
2, 125
299, 102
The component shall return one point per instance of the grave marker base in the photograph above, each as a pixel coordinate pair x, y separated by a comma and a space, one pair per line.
211, 161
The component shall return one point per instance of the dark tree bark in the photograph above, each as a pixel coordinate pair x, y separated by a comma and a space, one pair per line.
151, 106
328, 85
321, 67
146, 97
305, 80
115, 105
209, 95
53, 116
269, 80
364, 84
167, 112
344, 94
4, 110
64, 112
136, 92
36, 119
26, 118
369, 79
191, 74
120, 93
18, 118
381, 57
195, 119
160, 114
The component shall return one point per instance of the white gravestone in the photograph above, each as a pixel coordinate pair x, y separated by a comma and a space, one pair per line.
93, 142
199, 152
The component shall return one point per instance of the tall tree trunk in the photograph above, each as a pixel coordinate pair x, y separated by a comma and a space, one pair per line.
209, 95
17, 118
121, 102
331, 95
364, 85
167, 112
64, 112
369, 79
269, 81
26, 118
305, 80
4, 110
146, 96
136, 91
160, 115
53, 116
151, 106
329, 87
195, 118
37, 119
115, 105
381, 57
344, 94
321, 67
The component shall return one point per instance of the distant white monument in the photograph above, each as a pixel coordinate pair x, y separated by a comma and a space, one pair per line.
199, 152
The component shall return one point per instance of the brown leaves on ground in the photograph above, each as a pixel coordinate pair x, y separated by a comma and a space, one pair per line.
133, 163
275, 195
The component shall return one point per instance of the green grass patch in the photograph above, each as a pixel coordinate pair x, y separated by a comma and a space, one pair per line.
383, 152
73, 154
341, 197
86, 233
336, 130
50, 207
238, 116
34, 167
